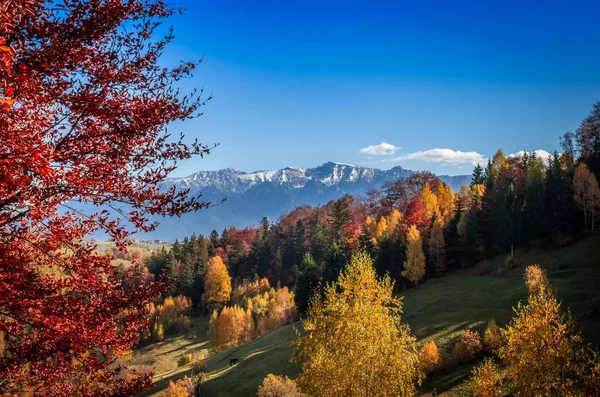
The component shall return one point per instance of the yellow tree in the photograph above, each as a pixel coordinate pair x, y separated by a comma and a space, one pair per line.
544, 354
586, 192
217, 284
445, 198
414, 267
430, 202
394, 220
356, 343
437, 249
382, 227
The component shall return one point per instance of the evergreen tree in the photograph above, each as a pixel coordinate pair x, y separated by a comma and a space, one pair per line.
559, 205
317, 238
478, 176
307, 283
534, 211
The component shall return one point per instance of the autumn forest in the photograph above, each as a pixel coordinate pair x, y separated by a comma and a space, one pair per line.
411, 289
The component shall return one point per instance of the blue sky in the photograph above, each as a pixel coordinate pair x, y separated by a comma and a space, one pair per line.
301, 83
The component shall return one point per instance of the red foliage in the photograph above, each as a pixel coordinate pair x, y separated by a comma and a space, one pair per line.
84, 109
415, 215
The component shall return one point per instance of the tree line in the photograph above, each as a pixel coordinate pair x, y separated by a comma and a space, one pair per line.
413, 228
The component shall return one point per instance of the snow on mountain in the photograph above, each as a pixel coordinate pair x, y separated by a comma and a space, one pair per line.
252, 195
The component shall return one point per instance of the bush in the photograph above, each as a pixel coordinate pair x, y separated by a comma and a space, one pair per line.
484, 381
179, 323
158, 332
199, 366
278, 386
468, 348
492, 337
430, 358
185, 359
182, 388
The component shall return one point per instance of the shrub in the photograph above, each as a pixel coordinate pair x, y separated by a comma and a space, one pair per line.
199, 366
468, 348
484, 381
158, 332
278, 386
182, 388
185, 359
177, 324
492, 337
430, 358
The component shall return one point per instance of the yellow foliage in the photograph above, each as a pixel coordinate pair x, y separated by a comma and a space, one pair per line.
235, 327
414, 267
430, 202
492, 337
278, 386
484, 381
394, 220
356, 343
158, 332
544, 355
446, 202
382, 228
249, 289
536, 280
430, 358
217, 284
182, 388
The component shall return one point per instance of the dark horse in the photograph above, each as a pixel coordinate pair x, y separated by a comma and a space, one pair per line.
234, 361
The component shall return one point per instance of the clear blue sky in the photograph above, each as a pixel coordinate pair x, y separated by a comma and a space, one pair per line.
299, 83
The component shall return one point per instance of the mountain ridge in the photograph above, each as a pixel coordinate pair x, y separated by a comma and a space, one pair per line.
253, 195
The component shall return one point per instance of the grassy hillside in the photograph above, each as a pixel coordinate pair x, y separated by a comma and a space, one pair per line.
438, 309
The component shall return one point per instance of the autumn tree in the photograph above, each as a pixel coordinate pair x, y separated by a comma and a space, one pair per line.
234, 327
586, 193
217, 285
357, 323
85, 104
437, 248
414, 267
430, 204
544, 354
278, 386
429, 357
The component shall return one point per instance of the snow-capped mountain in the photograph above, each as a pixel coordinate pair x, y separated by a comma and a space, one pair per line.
252, 195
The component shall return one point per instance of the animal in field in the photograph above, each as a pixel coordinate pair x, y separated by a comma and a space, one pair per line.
234, 361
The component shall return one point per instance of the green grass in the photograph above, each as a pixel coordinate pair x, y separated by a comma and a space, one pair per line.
439, 309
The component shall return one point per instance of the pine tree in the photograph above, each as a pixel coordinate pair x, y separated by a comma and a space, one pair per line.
478, 176
307, 283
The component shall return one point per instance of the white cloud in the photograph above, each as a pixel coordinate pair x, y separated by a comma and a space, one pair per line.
383, 149
540, 153
447, 156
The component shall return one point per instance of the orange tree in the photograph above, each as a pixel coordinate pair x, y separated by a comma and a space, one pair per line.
84, 106
356, 343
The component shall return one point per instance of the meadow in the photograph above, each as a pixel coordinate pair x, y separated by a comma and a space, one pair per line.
438, 309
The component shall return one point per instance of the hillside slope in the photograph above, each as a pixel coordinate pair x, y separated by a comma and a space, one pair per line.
438, 309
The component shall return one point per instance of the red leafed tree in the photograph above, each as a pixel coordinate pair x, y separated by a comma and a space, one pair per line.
84, 109
415, 214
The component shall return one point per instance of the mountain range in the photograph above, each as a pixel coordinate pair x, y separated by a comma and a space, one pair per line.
253, 195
